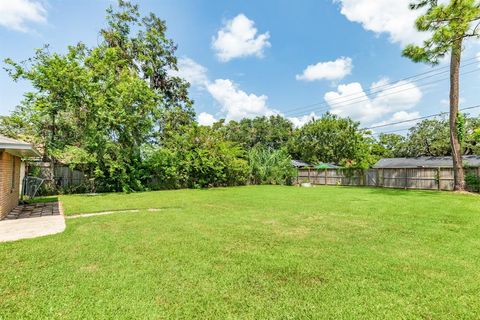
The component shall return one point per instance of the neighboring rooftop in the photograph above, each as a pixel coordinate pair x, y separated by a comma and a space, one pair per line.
426, 162
300, 164
17, 148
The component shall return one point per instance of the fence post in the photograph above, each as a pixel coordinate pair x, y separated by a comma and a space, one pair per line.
383, 179
438, 178
406, 179
325, 173
309, 175
478, 176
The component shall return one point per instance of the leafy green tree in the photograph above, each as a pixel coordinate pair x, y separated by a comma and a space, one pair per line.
390, 145
450, 24
270, 132
332, 139
472, 136
47, 111
108, 100
429, 138
196, 159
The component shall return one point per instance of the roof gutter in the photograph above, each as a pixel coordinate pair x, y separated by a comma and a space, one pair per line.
20, 150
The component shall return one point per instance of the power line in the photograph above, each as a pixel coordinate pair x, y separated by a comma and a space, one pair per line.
375, 90
392, 131
417, 119
365, 98
403, 79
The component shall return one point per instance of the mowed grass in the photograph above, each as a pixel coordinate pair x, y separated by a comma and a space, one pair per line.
252, 252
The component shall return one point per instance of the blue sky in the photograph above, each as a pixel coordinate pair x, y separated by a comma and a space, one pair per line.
249, 58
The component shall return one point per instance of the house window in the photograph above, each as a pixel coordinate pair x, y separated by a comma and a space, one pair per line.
13, 173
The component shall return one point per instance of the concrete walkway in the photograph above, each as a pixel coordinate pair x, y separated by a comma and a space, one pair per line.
94, 214
31, 221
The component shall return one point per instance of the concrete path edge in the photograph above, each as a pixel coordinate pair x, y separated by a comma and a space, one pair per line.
28, 228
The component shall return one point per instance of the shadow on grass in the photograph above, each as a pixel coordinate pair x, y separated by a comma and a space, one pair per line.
394, 191
42, 199
402, 192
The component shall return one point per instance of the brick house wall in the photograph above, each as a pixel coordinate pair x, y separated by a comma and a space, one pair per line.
9, 190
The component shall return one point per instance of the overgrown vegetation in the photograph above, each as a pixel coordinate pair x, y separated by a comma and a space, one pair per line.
473, 182
198, 158
269, 166
115, 112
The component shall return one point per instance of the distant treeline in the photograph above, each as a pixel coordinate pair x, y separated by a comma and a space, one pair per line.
116, 112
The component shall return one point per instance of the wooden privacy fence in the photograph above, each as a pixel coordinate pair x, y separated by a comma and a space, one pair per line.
403, 178
61, 176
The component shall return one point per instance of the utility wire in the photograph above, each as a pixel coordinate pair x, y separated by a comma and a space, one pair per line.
396, 81
389, 85
416, 119
341, 104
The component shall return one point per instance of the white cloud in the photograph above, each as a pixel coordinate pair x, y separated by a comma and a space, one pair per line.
238, 38
393, 17
399, 117
350, 100
330, 70
303, 120
15, 14
206, 119
379, 84
398, 96
191, 71
236, 103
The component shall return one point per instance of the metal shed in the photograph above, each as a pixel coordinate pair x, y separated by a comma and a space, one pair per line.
301, 164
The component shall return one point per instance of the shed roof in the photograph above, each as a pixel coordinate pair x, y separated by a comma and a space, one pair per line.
323, 165
17, 148
426, 162
300, 164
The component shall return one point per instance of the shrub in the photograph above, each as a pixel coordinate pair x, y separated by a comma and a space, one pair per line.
473, 182
201, 158
268, 166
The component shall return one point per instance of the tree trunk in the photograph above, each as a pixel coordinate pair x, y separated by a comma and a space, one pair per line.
458, 173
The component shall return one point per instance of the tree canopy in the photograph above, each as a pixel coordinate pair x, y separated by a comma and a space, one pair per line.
115, 112
107, 101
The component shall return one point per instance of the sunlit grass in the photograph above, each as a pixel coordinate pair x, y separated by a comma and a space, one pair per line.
252, 252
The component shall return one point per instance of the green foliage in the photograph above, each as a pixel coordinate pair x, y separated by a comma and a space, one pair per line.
448, 23
390, 145
270, 166
460, 125
270, 132
332, 139
162, 169
107, 101
473, 182
199, 158
430, 137
114, 112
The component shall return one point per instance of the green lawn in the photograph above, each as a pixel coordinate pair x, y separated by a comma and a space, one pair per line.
253, 252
